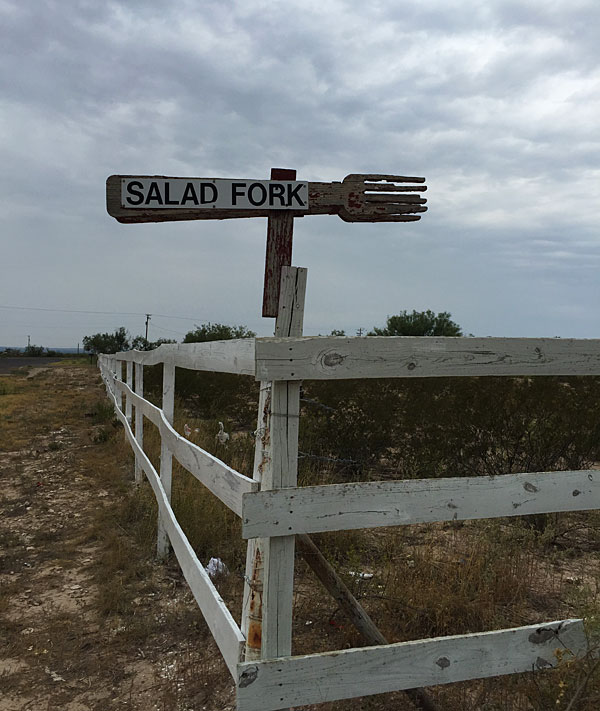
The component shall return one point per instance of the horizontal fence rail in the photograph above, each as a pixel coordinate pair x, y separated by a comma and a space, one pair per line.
223, 481
232, 356
316, 678
223, 627
337, 507
318, 358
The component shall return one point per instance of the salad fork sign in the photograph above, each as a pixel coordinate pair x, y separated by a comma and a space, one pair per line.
370, 197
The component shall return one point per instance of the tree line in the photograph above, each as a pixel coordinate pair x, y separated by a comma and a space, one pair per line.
415, 323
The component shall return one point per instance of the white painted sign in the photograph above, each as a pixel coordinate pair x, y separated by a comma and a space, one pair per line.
191, 194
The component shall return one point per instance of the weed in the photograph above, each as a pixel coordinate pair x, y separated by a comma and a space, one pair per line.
102, 412
101, 435
6, 388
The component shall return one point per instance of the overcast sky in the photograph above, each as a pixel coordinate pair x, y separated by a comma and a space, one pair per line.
495, 103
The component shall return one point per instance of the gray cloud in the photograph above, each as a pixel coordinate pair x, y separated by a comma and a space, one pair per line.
496, 103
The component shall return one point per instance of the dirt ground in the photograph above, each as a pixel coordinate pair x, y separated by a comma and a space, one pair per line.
90, 621
87, 620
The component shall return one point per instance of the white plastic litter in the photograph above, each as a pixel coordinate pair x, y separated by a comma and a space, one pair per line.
216, 567
361, 576
222, 436
187, 430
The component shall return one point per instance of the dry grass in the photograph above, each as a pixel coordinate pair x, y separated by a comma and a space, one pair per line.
142, 633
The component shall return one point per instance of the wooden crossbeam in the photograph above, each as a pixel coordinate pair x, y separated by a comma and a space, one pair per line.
275, 684
357, 198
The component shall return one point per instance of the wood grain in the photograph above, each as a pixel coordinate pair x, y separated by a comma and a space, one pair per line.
347, 198
282, 471
280, 234
324, 358
166, 456
232, 356
336, 507
317, 678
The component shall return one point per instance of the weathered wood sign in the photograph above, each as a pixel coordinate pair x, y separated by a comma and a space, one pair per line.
212, 194
358, 198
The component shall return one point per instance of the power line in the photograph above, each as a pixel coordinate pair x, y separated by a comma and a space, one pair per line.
105, 313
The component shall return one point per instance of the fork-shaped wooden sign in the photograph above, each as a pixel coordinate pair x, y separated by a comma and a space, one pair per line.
358, 198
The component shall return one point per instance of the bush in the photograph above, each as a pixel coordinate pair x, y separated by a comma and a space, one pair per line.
438, 427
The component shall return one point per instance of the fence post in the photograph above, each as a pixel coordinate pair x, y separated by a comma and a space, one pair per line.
128, 410
166, 458
253, 588
139, 418
270, 562
119, 376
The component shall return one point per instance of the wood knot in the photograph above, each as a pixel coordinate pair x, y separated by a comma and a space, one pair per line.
247, 677
443, 662
542, 634
332, 359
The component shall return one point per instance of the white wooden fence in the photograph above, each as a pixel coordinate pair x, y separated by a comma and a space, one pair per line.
274, 510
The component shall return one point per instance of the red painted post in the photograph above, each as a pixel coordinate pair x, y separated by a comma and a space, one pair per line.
280, 231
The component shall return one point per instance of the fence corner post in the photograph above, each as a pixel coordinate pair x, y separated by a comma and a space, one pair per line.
268, 592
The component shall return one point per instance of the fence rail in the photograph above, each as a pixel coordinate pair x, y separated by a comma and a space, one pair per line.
233, 356
316, 678
318, 358
223, 627
223, 481
275, 511
343, 507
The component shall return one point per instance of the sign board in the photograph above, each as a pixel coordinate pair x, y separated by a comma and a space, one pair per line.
149, 193
357, 198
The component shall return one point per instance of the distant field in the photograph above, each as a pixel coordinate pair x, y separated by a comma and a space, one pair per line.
9, 364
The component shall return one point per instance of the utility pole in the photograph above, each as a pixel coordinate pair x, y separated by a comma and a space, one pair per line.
28, 342
147, 321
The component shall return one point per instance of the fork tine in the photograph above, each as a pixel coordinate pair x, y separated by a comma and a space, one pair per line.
347, 217
400, 209
377, 176
395, 197
389, 188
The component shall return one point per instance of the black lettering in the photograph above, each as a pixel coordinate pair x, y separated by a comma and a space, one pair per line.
154, 194
189, 194
203, 188
263, 194
131, 189
168, 201
236, 192
276, 190
293, 194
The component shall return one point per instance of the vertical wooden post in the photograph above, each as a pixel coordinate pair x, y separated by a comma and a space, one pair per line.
128, 410
268, 595
285, 419
280, 231
110, 366
139, 418
119, 376
253, 587
166, 458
